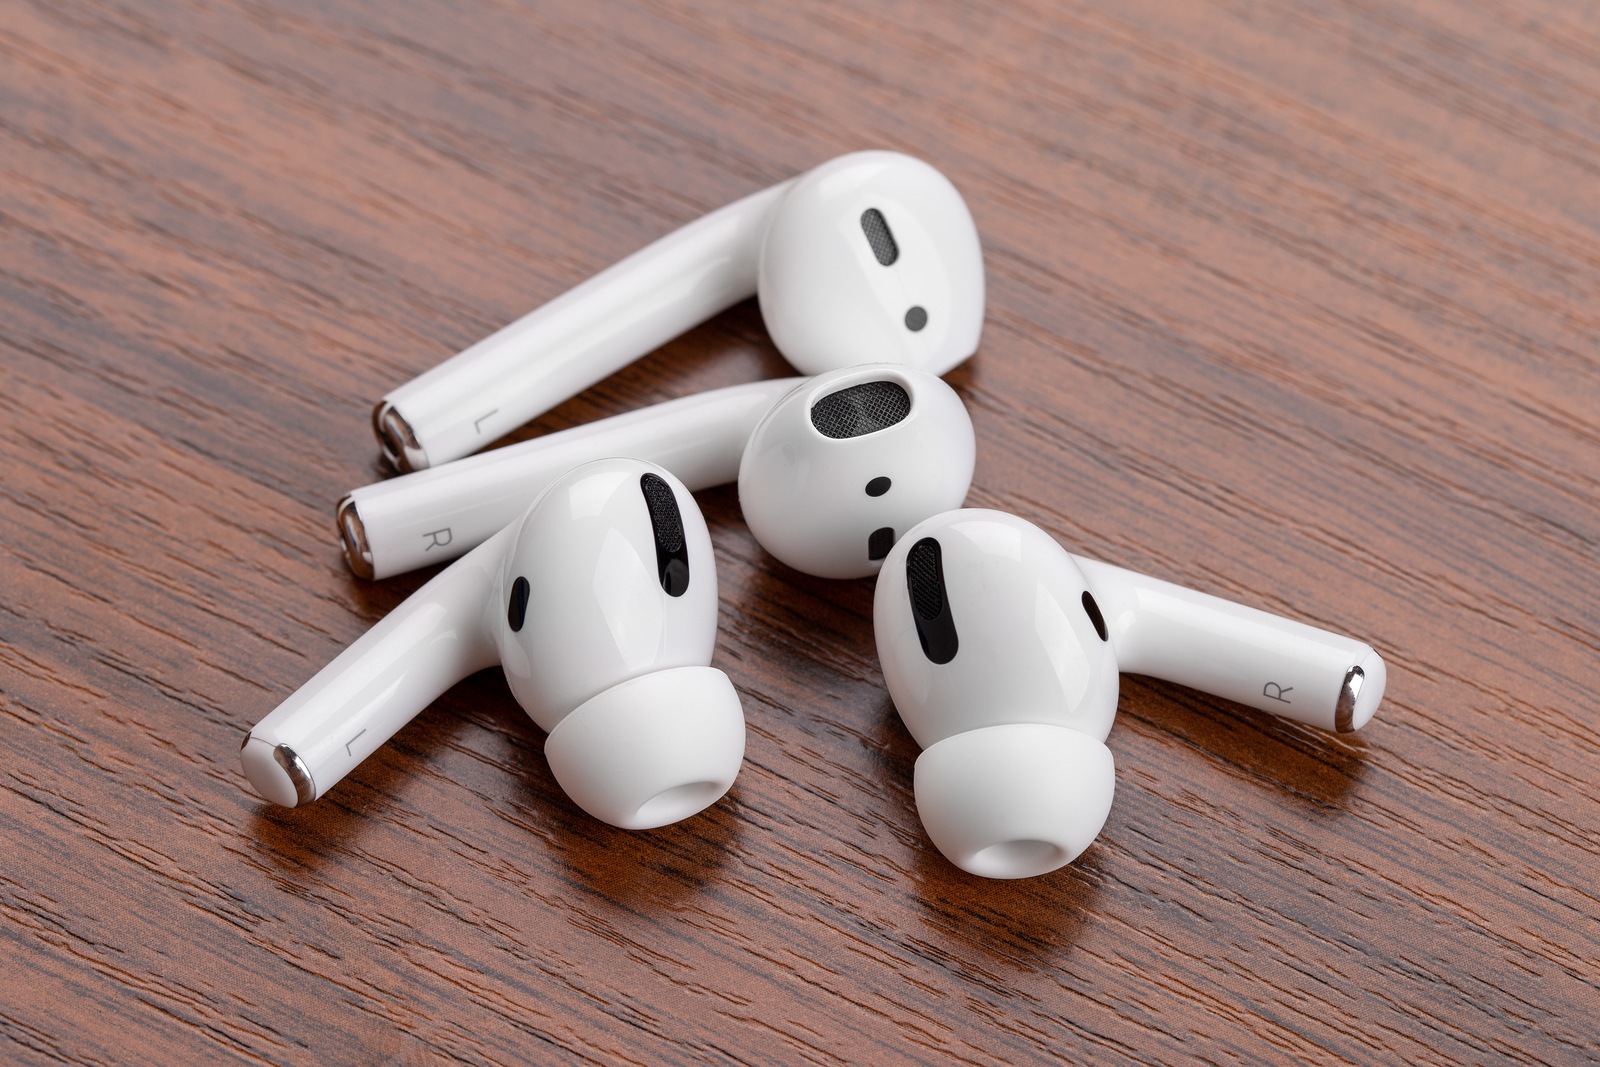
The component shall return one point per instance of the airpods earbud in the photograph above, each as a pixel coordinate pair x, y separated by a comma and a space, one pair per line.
1002, 653
845, 463
600, 604
870, 257
831, 470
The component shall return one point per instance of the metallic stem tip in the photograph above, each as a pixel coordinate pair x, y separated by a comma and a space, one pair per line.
396, 438
296, 769
1344, 713
353, 535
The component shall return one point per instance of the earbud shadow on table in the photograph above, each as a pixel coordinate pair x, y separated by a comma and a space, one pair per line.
804, 614
1317, 767
310, 838
1019, 920
1024, 921
314, 837
648, 867
507, 776
373, 600
628, 867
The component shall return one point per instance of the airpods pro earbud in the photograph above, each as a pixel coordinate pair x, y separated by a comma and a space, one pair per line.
870, 257
600, 604
831, 470
1002, 653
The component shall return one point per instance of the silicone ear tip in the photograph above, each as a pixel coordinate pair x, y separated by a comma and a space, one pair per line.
1014, 801
653, 750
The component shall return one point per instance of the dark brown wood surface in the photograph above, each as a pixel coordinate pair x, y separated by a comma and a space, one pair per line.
1297, 303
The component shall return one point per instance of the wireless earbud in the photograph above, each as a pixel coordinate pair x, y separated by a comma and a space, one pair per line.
1002, 653
831, 470
601, 606
870, 257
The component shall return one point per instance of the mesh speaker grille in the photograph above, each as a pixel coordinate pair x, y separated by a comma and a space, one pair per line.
925, 578
666, 522
860, 409
930, 608
884, 249
665, 518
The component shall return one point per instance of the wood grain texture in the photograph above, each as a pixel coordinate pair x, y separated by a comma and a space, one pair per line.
1295, 302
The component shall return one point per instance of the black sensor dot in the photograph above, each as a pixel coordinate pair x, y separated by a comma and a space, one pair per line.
879, 544
878, 486
916, 319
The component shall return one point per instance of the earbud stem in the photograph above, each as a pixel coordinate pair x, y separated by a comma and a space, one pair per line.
1258, 659
433, 640
582, 336
435, 515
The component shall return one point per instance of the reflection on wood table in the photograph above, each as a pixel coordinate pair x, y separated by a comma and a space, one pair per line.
1294, 303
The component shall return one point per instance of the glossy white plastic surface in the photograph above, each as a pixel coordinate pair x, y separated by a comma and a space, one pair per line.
438, 514
1261, 660
434, 639
1027, 651
597, 614
827, 299
598, 621
1002, 801
805, 495
584, 335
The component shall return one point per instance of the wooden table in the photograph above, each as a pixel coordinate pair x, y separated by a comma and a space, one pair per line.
1297, 303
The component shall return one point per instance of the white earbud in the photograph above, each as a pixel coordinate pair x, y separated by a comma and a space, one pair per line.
870, 257
600, 604
1002, 654
831, 470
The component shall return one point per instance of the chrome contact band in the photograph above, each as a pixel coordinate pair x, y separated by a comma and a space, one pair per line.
305, 790
353, 535
1344, 714
396, 438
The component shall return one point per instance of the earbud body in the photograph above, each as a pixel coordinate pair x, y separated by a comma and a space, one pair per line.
844, 463
870, 257
1001, 678
830, 470
600, 604
1002, 653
